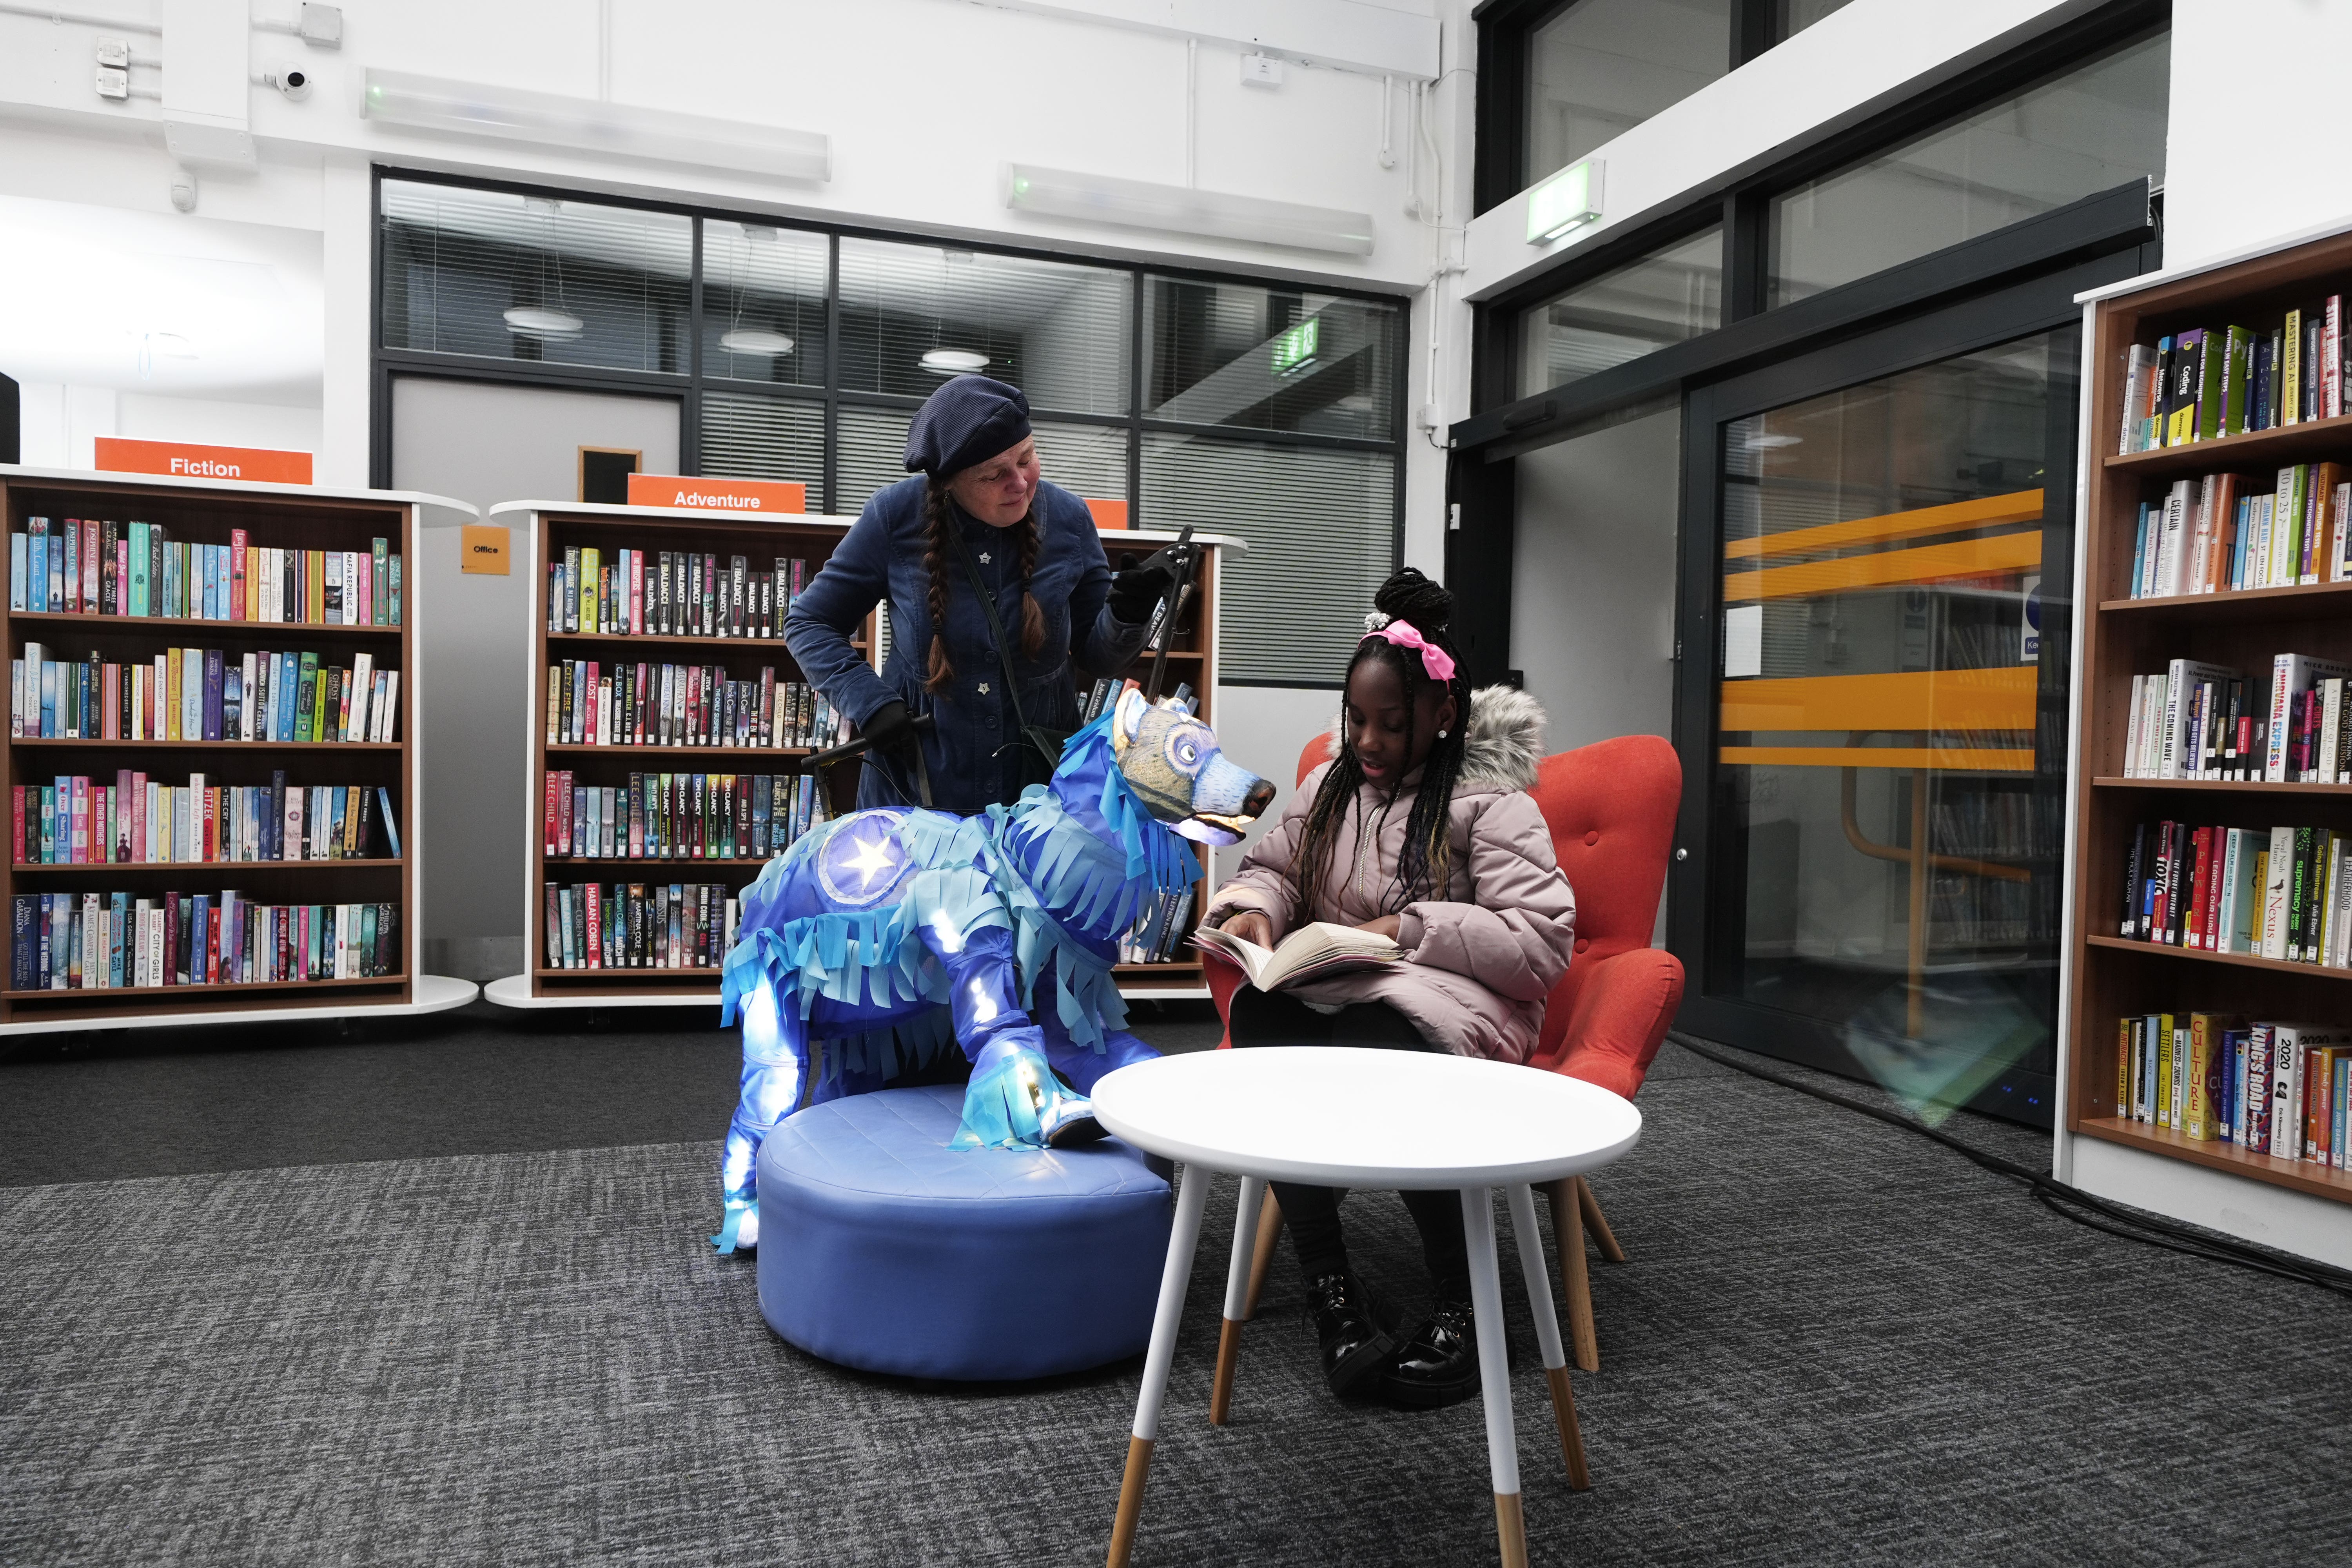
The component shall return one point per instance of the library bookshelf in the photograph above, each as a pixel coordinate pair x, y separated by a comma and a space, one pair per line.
549, 529
273, 516
2301, 1206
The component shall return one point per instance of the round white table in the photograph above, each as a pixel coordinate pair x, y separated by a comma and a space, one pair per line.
1380, 1119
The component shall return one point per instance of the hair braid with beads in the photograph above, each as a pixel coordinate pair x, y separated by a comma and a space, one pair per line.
1422, 865
940, 518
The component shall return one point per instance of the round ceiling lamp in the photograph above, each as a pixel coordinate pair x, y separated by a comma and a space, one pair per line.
755, 341
1773, 443
954, 361
538, 322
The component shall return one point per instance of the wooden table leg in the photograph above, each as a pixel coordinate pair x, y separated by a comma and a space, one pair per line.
1237, 1306
1493, 1372
1563, 1400
1190, 1199
1269, 1231
1575, 1272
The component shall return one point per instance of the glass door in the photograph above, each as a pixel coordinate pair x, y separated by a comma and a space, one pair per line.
1880, 554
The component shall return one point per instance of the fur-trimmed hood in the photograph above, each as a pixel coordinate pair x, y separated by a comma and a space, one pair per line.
1504, 742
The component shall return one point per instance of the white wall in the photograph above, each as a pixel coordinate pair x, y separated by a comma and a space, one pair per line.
2232, 179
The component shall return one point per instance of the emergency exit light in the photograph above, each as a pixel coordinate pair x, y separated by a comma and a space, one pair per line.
1295, 348
1564, 202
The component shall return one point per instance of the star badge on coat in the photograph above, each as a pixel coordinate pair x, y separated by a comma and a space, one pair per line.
984, 688
983, 558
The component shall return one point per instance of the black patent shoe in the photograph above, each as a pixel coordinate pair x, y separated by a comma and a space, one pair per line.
1438, 1365
1354, 1341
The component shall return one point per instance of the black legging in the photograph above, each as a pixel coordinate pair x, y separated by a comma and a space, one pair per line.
1277, 1018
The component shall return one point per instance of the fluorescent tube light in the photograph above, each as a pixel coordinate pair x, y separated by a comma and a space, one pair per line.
1565, 202
582, 125
1180, 209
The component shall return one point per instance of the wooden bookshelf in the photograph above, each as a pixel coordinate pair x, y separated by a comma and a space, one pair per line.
278, 516
2110, 977
550, 528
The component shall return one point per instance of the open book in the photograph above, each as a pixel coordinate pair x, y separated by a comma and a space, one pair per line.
1307, 953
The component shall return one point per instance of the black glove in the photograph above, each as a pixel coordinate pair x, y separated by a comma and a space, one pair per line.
1137, 591
891, 730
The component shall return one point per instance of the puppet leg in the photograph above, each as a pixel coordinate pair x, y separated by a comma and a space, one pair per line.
1014, 1098
775, 1065
1083, 1065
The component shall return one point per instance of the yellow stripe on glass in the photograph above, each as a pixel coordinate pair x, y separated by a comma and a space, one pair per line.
2018, 506
2000, 555
2001, 699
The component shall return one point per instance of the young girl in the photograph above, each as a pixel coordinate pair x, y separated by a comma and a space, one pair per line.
1423, 830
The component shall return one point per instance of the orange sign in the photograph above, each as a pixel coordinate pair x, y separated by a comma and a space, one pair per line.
483, 551
120, 455
718, 495
1108, 513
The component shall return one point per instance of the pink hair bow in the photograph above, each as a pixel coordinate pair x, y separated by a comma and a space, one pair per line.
1404, 634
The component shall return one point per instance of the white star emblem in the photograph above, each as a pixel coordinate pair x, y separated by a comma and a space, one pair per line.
984, 688
872, 859
983, 558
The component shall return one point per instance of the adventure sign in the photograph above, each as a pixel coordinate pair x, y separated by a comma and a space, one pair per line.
702, 494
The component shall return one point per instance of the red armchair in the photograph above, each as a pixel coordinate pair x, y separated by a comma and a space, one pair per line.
1610, 807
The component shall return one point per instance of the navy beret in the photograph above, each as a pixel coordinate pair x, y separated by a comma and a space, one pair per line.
969, 420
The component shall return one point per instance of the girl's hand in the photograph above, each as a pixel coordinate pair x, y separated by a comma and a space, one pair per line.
1250, 926
1387, 926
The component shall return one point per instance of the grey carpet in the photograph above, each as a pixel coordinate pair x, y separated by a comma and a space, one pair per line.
1835, 1344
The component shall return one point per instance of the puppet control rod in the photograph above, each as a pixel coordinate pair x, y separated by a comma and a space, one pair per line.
1180, 555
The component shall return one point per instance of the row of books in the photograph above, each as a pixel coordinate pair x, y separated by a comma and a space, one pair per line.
2211, 535
97, 941
2266, 892
1105, 691
2275, 1089
2211, 383
136, 821
1161, 930
203, 694
669, 593
633, 925
91, 567
590, 703
2201, 720
680, 816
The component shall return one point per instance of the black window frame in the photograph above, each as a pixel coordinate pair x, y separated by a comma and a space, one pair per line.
692, 385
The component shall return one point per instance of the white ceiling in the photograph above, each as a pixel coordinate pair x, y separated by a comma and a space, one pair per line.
83, 289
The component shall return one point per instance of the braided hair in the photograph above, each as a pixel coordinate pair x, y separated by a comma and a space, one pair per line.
1422, 867
940, 518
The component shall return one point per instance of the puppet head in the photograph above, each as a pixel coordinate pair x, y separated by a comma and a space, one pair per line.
1172, 763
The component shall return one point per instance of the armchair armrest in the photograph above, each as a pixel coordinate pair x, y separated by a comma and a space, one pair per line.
1621, 1012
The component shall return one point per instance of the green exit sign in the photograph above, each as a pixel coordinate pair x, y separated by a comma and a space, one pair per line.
1297, 347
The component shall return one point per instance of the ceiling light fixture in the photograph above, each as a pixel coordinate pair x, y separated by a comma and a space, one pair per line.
755, 341
954, 361
538, 322
583, 125
1773, 443
1182, 209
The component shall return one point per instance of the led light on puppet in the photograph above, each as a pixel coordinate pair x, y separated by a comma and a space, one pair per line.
884, 937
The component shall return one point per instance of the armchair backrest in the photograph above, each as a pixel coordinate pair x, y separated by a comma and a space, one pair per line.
1611, 807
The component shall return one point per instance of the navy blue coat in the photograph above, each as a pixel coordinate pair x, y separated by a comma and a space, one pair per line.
881, 558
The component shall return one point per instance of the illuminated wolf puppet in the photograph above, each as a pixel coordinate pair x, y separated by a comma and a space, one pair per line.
880, 938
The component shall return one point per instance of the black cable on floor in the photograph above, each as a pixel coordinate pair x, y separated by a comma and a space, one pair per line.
2068, 1202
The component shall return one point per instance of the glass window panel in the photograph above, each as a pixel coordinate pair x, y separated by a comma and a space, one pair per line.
2091, 130
1087, 460
912, 315
1275, 359
534, 277
1891, 776
762, 303
1669, 294
765, 438
1321, 527
1602, 67
1796, 16
872, 454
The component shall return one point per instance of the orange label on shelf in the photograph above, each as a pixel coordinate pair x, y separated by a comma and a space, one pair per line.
718, 495
1108, 513
484, 551
120, 455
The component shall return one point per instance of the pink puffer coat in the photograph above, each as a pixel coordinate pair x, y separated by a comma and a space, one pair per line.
1478, 963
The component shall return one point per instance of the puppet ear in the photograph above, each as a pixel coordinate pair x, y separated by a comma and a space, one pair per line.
1126, 721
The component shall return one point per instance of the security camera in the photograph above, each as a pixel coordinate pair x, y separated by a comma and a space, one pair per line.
294, 81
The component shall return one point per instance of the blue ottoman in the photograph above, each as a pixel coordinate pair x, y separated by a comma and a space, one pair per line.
882, 1248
